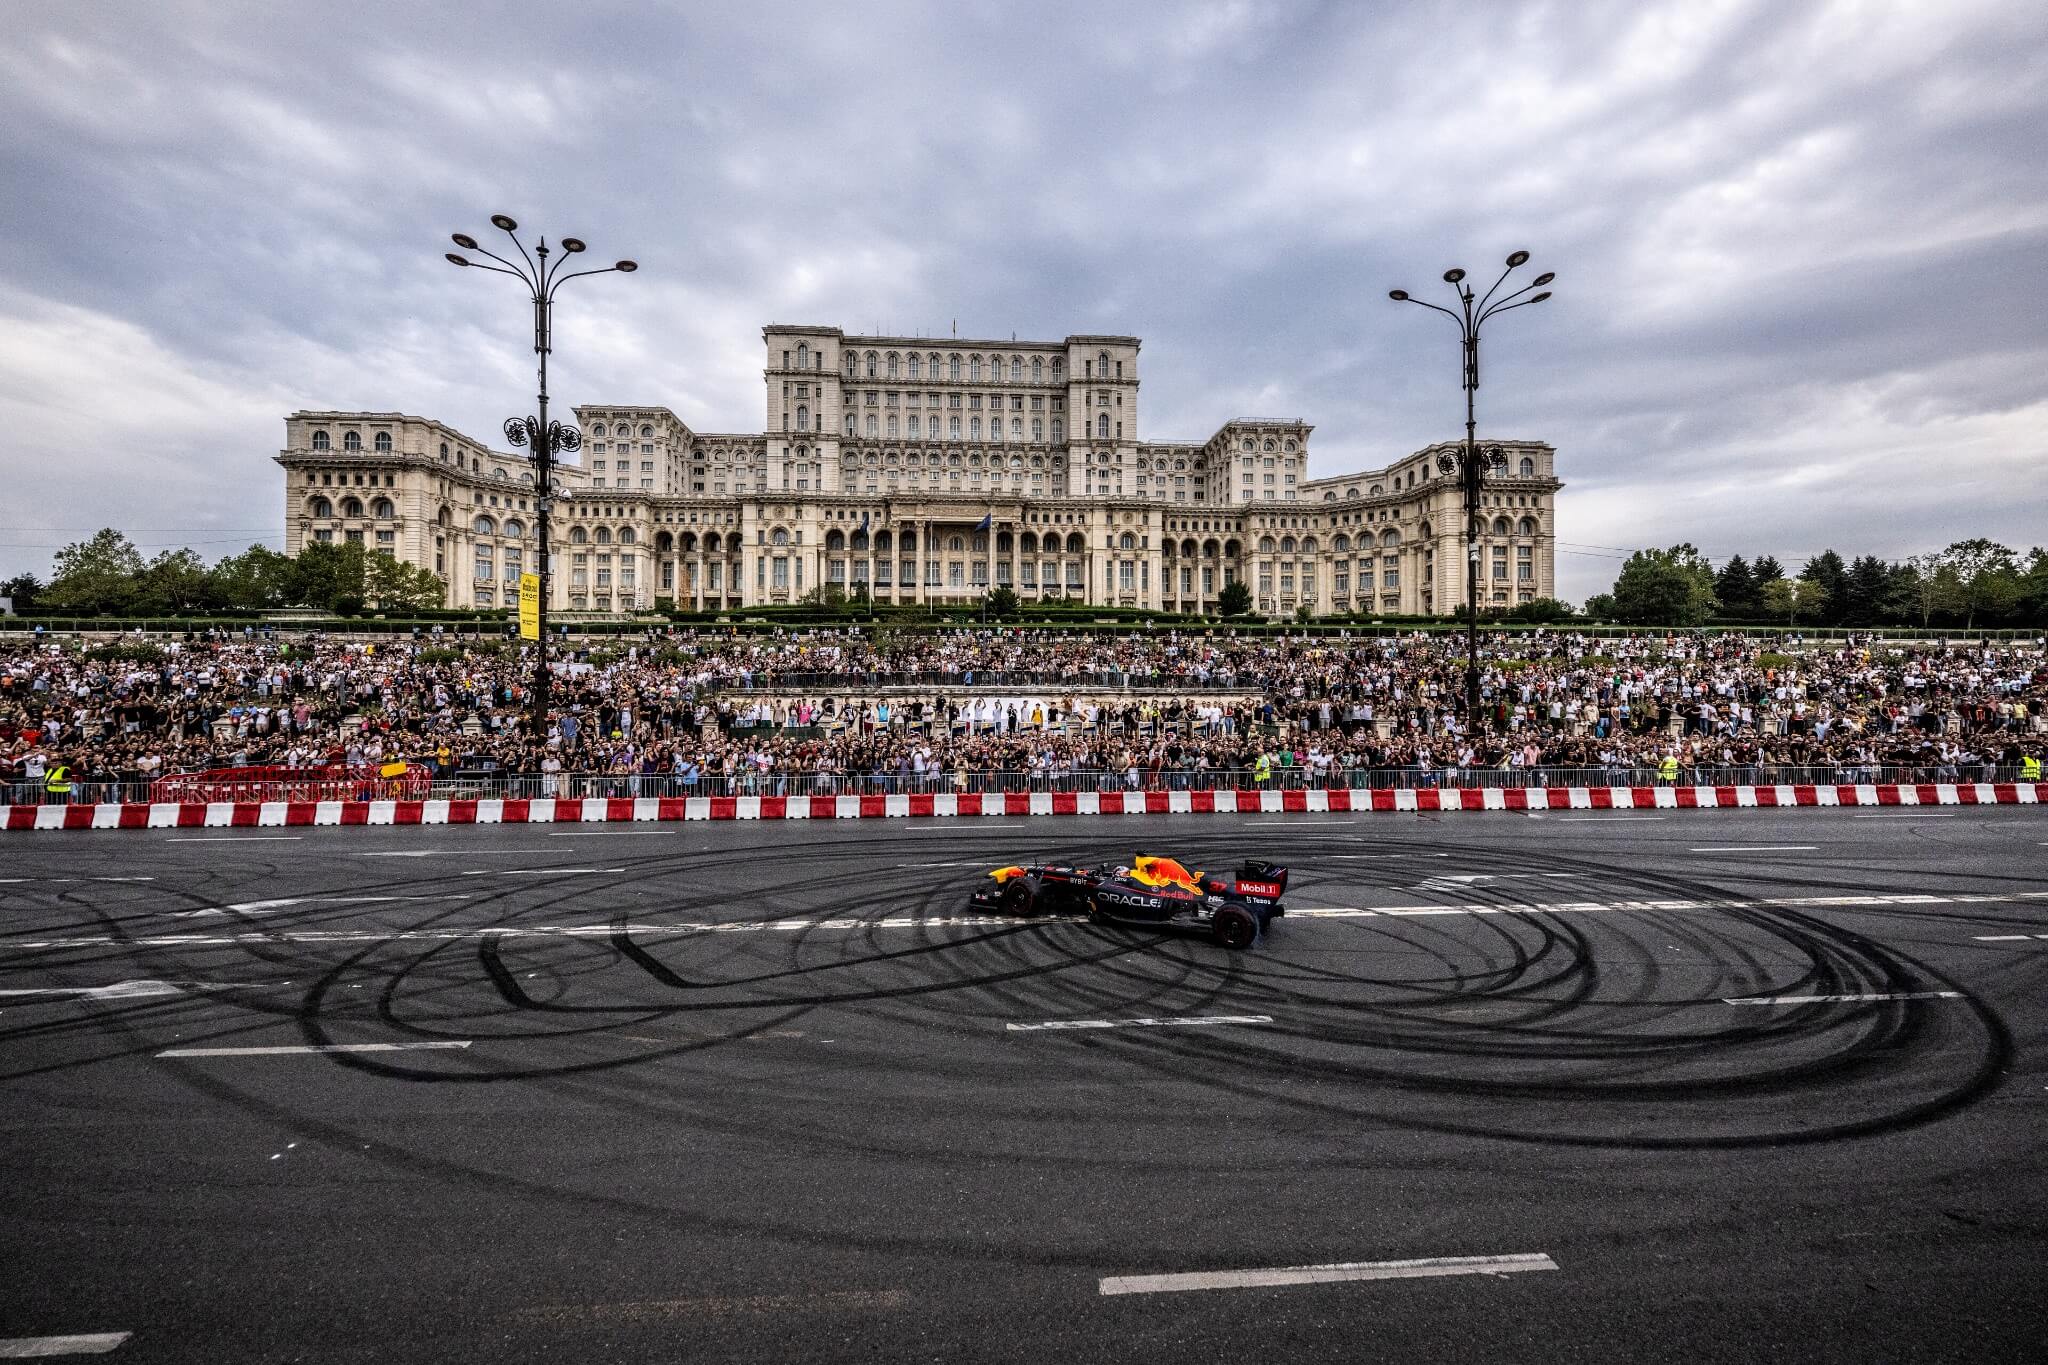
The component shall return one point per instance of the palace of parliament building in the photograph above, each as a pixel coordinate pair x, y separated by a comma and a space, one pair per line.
925, 471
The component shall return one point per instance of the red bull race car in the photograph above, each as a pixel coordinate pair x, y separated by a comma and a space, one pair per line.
1235, 909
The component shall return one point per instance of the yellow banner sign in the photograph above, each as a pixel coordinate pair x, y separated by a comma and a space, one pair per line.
529, 606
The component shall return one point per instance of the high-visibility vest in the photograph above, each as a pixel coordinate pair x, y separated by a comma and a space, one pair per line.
57, 782
1668, 769
2030, 769
1262, 769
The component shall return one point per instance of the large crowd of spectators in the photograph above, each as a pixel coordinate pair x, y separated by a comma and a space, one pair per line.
835, 710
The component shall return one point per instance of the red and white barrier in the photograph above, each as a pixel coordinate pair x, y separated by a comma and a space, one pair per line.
599, 810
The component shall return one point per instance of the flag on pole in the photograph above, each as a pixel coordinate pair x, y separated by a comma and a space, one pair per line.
986, 522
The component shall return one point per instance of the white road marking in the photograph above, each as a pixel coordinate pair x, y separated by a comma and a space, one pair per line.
240, 839
613, 834
85, 1344
1843, 999
958, 826
257, 907
2007, 938
1602, 819
1170, 1021
929, 922
1907, 815
1326, 1274
295, 1051
129, 990
555, 871
1756, 848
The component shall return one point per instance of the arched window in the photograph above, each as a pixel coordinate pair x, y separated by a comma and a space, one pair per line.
1500, 526
382, 509
803, 417
1266, 545
1027, 543
646, 429
1037, 369
484, 526
320, 442
956, 544
1528, 527
578, 536
1102, 365
852, 364
1528, 467
1059, 429
1016, 368
892, 364
1075, 544
953, 433
1342, 544
628, 536
953, 367
1390, 537
974, 433
322, 507
779, 536
850, 419
711, 542
514, 530
803, 356
1059, 368
351, 440
351, 507
871, 364
874, 428
1102, 426
597, 430
915, 365
384, 442
1287, 545
1127, 541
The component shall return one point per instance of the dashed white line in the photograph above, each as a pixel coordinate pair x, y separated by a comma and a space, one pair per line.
240, 839
612, 834
1603, 819
1326, 1274
125, 990
555, 871
1168, 1021
1756, 848
1843, 999
1907, 815
308, 1048
83, 1344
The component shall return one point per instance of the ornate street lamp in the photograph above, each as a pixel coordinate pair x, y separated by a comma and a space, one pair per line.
547, 438
1473, 464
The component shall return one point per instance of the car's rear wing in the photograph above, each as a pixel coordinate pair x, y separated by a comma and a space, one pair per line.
1255, 870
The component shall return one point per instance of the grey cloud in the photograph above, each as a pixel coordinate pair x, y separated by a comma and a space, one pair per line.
1798, 246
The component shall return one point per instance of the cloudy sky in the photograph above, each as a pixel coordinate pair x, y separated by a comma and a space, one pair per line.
1799, 245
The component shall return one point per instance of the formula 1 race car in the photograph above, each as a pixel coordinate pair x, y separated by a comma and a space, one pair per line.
1235, 909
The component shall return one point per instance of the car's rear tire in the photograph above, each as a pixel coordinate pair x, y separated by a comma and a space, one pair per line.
1235, 927
1019, 898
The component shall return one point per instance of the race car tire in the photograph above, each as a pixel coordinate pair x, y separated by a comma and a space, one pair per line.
1020, 897
1235, 927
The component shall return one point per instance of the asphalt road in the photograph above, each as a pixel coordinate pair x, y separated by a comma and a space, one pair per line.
736, 1092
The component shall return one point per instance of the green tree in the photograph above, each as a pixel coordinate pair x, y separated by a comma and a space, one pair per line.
1792, 598
1989, 574
1763, 571
1673, 587
256, 578
23, 589
392, 583
1235, 599
1600, 607
330, 576
1002, 604
1541, 611
1828, 571
1735, 589
175, 583
1928, 587
1866, 593
97, 575
2033, 587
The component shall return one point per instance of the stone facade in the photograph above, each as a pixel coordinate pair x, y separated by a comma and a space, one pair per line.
879, 462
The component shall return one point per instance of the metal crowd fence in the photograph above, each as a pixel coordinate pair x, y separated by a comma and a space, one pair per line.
510, 786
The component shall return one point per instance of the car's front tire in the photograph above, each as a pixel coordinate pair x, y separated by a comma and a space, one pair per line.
1020, 898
